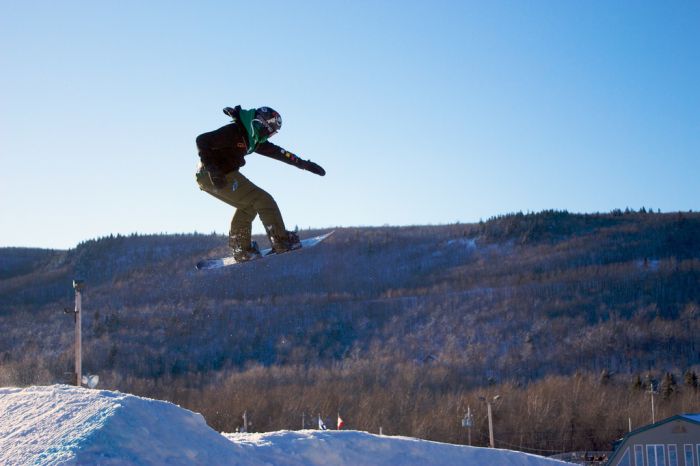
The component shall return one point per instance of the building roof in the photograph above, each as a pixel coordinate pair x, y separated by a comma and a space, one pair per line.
694, 418
691, 417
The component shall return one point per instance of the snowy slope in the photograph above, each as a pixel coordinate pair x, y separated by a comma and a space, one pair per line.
314, 447
68, 425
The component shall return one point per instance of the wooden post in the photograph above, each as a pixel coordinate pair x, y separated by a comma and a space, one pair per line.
491, 440
488, 401
79, 286
652, 392
467, 422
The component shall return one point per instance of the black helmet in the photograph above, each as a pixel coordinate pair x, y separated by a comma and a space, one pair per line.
267, 121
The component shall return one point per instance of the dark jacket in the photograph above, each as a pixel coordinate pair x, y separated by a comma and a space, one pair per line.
223, 150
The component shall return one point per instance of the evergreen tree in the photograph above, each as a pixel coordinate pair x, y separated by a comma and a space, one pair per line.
668, 385
637, 384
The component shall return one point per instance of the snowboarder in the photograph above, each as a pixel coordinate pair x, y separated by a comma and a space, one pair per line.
222, 152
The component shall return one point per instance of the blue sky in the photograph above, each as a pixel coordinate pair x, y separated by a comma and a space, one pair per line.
421, 112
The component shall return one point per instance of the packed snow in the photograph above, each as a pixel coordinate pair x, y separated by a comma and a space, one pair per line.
318, 447
69, 426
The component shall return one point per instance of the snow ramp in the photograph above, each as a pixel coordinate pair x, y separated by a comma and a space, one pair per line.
64, 425
69, 425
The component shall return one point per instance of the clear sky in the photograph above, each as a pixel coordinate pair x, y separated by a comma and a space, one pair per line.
420, 112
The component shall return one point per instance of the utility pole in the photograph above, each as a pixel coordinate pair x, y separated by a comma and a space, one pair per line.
652, 391
78, 286
492, 442
468, 422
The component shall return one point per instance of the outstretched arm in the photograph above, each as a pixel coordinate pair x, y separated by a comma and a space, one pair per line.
276, 152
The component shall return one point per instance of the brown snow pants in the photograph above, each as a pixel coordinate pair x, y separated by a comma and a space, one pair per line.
249, 201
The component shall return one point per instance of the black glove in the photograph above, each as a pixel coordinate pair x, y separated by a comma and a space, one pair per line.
232, 112
315, 168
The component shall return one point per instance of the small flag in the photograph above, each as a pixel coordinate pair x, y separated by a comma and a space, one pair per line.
321, 425
341, 423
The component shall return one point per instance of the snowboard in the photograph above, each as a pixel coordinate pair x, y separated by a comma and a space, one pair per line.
207, 264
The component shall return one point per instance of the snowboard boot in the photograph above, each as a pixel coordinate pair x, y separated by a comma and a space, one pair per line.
284, 241
242, 247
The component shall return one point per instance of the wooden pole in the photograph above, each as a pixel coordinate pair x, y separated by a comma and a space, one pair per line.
492, 443
491, 440
469, 429
79, 286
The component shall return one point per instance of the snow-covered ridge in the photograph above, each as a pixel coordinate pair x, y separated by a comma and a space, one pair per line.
69, 426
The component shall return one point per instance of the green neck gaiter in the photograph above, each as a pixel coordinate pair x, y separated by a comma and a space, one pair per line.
254, 136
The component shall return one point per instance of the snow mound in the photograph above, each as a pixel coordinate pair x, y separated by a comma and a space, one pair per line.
70, 426
317, 447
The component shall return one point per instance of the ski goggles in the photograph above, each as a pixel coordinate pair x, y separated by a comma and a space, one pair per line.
271, 126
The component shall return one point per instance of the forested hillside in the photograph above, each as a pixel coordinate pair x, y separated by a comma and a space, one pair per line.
391, 324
